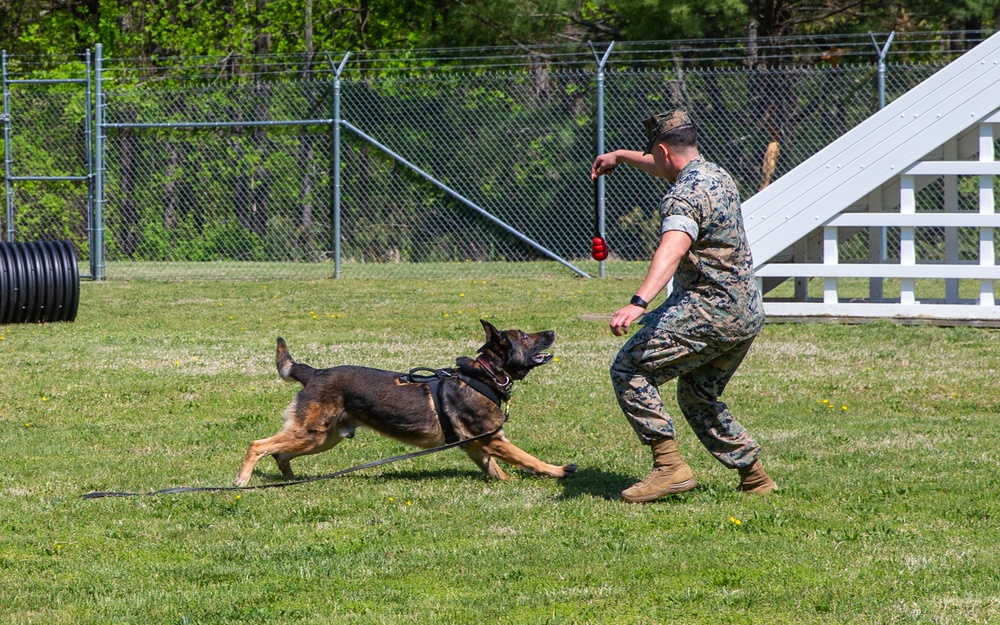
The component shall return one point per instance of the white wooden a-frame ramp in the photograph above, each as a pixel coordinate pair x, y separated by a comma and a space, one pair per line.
918, 178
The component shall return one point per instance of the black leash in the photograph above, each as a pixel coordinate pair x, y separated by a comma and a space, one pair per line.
367, 465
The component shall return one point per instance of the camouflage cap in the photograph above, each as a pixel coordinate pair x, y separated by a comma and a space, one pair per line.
657, 125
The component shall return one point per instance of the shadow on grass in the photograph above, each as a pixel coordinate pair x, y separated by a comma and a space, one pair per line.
606, 485
584, 483
596, 483
385, 475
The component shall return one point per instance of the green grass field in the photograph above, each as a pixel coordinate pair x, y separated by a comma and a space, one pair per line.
882, 438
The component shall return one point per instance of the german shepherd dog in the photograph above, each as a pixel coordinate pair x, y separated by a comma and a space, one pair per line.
334, 402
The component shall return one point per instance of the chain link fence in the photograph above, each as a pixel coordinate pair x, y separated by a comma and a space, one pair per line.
443, 164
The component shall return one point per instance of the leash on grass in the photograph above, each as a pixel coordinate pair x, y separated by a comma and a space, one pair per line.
330, 476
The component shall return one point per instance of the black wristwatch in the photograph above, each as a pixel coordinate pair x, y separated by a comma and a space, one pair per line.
638, 301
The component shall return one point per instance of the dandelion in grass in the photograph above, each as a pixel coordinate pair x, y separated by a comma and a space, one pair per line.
735, 521
843, 408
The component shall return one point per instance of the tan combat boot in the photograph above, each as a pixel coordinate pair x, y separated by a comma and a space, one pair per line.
670, 475
754, 480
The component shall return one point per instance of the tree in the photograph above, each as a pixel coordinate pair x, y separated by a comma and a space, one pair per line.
158, 28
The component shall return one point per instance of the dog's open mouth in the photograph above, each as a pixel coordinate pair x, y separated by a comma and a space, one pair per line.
541, 358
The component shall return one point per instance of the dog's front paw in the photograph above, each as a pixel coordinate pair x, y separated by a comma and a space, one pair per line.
569, 470
240, 482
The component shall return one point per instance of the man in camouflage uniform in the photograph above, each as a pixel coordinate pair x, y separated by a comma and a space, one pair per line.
704, 329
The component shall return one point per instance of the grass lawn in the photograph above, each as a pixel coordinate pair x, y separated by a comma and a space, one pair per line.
882, 438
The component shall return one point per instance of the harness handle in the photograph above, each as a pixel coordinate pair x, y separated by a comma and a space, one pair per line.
417, 378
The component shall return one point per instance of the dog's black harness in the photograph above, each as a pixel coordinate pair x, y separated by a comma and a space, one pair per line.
433, 377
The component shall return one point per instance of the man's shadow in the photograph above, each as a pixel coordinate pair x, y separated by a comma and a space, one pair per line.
595, 483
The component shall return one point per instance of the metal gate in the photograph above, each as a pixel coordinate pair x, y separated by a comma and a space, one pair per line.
46, 164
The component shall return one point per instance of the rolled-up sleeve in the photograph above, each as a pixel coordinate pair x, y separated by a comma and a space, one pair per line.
682, 223
679, 214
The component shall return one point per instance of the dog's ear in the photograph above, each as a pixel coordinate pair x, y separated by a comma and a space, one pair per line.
492, 334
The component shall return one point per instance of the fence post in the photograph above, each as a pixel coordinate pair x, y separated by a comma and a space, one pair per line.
875, 284
600, 142
335, 174
88, 134
882, 52
97, 235
7, 164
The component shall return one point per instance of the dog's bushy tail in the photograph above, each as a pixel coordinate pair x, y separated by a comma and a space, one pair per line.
288, 369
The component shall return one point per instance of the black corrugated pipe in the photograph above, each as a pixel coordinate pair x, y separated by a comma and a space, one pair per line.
39, 282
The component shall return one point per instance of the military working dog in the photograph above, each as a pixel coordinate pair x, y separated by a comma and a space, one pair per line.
334, 402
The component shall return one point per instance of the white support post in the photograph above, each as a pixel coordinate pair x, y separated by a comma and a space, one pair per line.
987, 254
876, 246
907, 249
951, 233
830, 257
801, 252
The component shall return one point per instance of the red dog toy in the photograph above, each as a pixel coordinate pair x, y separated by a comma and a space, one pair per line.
598, 246
599, 249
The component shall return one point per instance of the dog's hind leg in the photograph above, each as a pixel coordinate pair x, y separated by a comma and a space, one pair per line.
289, 443
306, 432
484, 461
283, 459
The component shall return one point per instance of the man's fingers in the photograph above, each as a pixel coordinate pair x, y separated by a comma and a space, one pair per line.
600, 168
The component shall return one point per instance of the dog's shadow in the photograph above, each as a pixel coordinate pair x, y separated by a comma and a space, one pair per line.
586, 482
404, 475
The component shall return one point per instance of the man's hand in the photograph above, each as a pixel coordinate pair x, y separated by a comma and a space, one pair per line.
624, 317
603, 165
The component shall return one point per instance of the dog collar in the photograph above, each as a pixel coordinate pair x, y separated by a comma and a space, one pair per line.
505, 385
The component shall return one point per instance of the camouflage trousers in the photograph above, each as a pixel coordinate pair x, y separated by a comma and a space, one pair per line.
702, 368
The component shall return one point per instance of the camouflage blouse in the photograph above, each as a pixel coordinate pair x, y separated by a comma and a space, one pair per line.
714, 291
